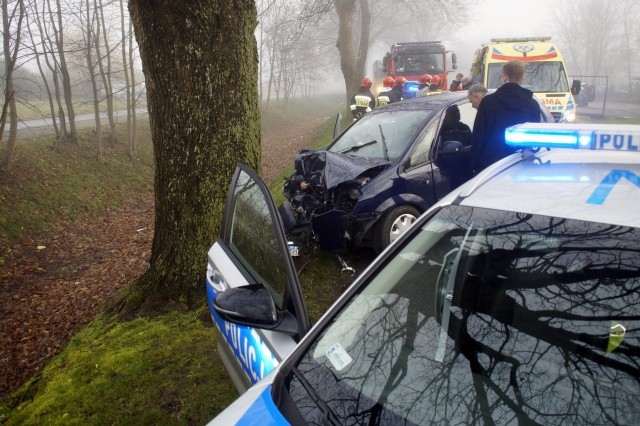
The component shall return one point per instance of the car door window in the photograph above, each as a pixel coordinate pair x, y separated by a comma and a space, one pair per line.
420, 154
251, 234
457, 125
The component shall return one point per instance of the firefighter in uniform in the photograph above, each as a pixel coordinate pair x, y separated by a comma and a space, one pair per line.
396, 93
363, 101
423, 87
435, 85
383, 96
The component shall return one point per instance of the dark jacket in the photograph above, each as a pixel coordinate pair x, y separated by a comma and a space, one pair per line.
509, 105
454, 86
395, 94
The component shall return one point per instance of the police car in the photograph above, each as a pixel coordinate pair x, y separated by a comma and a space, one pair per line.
515, 299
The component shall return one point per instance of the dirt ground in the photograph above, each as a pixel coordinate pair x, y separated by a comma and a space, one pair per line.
51, 288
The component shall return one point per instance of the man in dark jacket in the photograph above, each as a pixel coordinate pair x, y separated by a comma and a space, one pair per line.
509, 105
395, 94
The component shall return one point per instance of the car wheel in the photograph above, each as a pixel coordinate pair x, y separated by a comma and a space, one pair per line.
394, 224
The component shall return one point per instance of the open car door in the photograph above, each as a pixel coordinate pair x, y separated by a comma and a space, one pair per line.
253, 290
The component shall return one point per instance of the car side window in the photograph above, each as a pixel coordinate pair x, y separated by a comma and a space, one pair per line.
420, 154
467, 114
251, 236
457, 125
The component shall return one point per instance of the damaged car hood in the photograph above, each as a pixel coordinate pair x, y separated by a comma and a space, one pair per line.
327, 170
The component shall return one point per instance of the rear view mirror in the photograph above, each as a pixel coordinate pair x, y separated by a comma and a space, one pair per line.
454, 61
576, 85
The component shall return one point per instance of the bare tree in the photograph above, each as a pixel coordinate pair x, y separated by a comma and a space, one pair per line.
200, 63
56, 17
91, 32
590, 31
12, 18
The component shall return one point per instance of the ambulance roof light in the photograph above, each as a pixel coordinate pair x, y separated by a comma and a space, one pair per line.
577, 136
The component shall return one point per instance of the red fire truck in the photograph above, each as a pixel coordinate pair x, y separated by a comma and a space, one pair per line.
415, 58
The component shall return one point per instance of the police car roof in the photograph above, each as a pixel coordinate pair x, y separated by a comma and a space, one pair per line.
593, 185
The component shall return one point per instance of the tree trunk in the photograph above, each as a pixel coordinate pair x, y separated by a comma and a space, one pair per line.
200, 62
131, 107
10, 58
93, 39
66, 77
346, 11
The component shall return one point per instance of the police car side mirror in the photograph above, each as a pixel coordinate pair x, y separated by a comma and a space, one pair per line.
253, 306
576, 85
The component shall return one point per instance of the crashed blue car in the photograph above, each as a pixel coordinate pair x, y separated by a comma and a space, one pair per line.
375, 178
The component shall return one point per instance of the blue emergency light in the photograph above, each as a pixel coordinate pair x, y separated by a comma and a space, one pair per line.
611, 137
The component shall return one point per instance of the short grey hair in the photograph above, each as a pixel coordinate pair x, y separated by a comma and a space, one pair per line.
478, 88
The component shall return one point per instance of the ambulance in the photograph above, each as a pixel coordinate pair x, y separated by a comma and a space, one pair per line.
545, 72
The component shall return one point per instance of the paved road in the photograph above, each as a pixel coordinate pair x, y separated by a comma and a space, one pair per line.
37, 127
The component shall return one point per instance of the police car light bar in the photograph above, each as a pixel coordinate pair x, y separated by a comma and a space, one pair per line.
624, 137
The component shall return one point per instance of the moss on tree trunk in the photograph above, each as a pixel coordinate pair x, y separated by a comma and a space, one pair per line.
200, 63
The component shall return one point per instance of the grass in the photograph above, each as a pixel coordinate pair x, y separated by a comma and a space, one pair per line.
162, 370
148, 371
47, 185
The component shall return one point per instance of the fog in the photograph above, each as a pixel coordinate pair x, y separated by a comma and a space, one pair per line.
501, 19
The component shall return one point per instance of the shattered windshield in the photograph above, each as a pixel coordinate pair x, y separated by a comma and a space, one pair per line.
486, 317
383, 136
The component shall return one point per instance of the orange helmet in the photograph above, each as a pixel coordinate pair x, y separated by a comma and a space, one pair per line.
424, 79
366, 82
388, 81
436, 80
400, 80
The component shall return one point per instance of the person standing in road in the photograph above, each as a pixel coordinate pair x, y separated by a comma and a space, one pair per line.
509, 105
396, 93
476, 93
363, 101
383, 96
455, 84
465, 83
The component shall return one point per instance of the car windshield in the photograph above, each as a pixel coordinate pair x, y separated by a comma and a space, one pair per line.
485, 317
419, 63
382, 135
542, 77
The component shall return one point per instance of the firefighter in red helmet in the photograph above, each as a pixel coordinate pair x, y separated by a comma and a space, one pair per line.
435, 84
383, 96
363, 101
423, 86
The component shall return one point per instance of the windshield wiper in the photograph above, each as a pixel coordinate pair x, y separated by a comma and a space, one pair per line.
322, 405
356, 147
384, 144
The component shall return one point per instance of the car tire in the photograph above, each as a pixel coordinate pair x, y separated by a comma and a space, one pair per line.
394, 224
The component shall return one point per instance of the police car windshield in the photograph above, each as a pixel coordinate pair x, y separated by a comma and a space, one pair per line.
365, 138
543, 77
487, 316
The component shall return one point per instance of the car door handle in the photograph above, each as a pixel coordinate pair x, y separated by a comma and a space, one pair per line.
217, 282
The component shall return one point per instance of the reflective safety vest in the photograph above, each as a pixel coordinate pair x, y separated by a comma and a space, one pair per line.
361, 105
